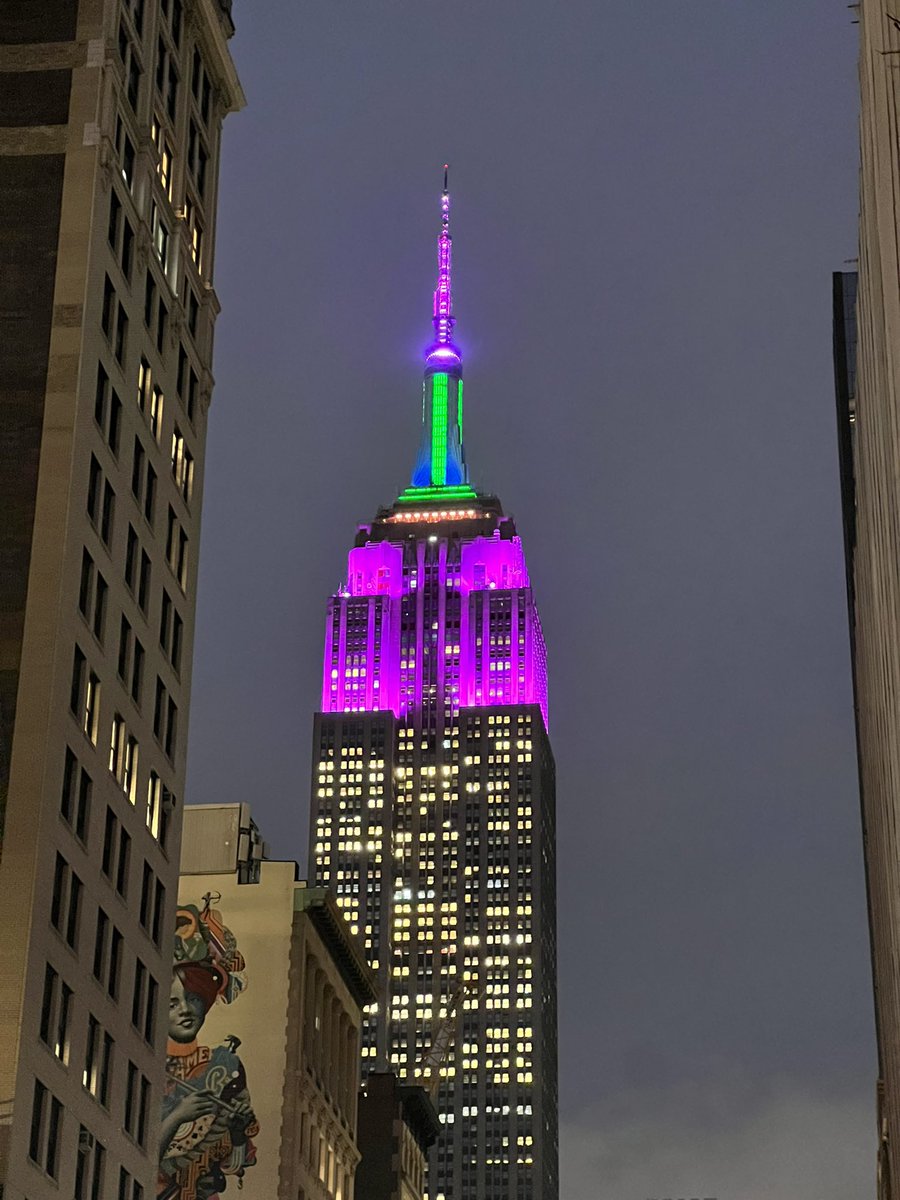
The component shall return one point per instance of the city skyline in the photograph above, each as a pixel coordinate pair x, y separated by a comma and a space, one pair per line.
647, 223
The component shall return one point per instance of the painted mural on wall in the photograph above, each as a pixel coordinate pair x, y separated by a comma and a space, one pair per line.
208, 1123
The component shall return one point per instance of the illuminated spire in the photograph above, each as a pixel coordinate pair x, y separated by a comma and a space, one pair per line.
442, 352
440, 463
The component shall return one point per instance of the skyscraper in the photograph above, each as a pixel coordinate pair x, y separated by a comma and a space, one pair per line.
110, 123
433, 801
868, 397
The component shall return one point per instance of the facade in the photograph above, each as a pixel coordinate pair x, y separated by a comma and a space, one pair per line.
268, 988
397, 1125
433, 803
868, 394
110, 121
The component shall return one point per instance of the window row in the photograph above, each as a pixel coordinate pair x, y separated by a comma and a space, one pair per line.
46, 1137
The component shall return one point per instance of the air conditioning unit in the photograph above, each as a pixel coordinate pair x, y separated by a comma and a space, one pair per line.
85, 1141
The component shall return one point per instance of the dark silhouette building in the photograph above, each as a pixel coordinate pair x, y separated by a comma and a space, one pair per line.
396, 1126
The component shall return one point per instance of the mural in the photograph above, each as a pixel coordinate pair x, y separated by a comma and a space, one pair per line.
208, 1123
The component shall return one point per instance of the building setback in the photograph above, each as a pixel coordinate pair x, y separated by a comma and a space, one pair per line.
275, 1038
868, 400
110, 122
433, 802
397, 1125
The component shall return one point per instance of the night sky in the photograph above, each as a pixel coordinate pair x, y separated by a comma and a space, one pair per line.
648, 203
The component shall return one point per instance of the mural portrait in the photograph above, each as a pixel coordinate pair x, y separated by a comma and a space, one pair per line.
208, 1123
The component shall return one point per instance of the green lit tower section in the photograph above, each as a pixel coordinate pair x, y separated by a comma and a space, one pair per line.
440, 464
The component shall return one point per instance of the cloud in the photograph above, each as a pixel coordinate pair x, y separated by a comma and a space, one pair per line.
727, 1142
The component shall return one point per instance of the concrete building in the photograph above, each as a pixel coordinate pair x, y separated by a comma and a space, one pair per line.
268, 991
110, 122
397, 1127
433, 802
867, 359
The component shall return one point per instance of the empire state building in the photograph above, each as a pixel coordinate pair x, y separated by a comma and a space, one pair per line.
433, 802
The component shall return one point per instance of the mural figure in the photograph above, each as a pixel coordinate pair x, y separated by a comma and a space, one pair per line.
207, 1120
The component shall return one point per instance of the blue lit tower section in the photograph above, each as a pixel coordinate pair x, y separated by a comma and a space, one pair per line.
433, 803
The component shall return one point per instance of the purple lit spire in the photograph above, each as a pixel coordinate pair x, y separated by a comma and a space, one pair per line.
443, 301
442, 352
440, 461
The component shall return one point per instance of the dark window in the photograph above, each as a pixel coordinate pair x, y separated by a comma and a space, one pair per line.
109, 303
86, 585
149, 300
95, 478
144, 582
131, 558
108, 512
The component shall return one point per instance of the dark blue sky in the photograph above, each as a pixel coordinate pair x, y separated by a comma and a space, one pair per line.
648, 203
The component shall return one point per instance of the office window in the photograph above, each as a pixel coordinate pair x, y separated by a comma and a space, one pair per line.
201, 87
146, 895
137, 1104
108, 309
131, 558
145, 383
65, 902
86, 586
154, 804
107, 954
98, 1057
123, 862
143, 594
138, 465
137, 673
120, 235
56, 1011
163, 154
107, 513
115, 963
120, 339
99, 620
130, 57
116, 856
101, 946
171, 631
198, 158
84, 698
46, 1127
159, 232
195, 239
108, 410
157, 401
177, 548
95, 482
181, 376
166, 78
126, 640
144, 997
193, 309
149, 300
162, 327
129, 1188
75, 800
182, 465
125, 153
90, 1166
159, 908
